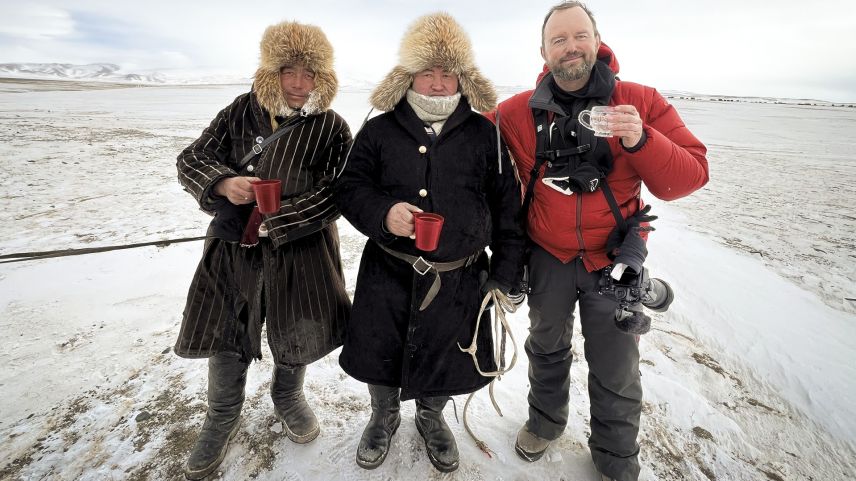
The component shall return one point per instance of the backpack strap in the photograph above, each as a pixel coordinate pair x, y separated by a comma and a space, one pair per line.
543, 120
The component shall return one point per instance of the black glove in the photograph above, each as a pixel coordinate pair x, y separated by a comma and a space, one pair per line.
627, 246
491, 284
515, 296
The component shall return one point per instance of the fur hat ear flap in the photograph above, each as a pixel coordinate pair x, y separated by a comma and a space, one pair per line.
391, 89
478, 90
269, 91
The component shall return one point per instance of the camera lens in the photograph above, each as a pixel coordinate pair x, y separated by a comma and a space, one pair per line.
659, 296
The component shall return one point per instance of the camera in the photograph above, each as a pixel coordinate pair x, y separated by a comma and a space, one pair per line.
632, 291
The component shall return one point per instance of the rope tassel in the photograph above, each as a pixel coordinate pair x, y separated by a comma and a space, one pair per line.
501, 305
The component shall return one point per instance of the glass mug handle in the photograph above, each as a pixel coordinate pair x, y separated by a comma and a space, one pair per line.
583, 122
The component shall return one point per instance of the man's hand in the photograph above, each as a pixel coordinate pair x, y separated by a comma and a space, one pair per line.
237, 190
399, 219
626, 124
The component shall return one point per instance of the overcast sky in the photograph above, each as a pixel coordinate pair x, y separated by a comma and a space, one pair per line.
786, 48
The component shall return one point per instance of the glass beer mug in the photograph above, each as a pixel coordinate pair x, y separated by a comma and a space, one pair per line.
598, 120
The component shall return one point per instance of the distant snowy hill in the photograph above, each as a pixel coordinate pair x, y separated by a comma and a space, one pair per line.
93, 71
108, 72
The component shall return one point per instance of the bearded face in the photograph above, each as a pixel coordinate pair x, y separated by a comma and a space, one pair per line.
570, 46
567, 69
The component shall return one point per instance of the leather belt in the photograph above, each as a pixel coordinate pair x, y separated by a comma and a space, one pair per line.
422, 267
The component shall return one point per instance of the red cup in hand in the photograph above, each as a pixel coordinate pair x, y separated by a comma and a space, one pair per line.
268, 194
428, 227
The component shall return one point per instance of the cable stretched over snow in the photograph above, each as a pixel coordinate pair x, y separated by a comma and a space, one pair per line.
32, 256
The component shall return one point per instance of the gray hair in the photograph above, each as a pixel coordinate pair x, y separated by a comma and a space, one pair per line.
564, 6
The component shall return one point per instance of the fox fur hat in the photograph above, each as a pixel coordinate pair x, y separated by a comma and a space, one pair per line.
435, 40
289, 43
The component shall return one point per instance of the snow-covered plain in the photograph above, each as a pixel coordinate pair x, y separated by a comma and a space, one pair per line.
749, 376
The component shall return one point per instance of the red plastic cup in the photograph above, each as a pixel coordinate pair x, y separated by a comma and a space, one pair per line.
428, 227
268, 195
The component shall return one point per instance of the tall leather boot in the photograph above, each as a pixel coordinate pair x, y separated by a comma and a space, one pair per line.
286, 391
227, 376
374, 445
439, 440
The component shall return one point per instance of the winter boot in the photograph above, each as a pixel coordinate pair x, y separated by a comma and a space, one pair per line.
374, 445
529, 446
290, 405
439, 440
227, 376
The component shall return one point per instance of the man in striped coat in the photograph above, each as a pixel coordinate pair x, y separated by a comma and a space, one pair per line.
286, 269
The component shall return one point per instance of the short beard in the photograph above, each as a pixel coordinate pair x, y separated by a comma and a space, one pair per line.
572, 73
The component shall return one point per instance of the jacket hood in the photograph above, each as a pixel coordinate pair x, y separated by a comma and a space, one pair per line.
288, 43
435, 40
604, 54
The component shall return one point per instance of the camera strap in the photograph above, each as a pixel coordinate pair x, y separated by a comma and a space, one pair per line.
613, 205
259, 146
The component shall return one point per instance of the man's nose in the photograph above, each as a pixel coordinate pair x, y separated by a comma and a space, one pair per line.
300, 83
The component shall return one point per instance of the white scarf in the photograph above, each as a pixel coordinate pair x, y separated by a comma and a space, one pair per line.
433, 110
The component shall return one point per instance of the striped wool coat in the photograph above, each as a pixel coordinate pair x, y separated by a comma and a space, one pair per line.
292, 280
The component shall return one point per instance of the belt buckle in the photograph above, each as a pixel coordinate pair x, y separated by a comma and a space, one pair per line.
257, 149
424, 265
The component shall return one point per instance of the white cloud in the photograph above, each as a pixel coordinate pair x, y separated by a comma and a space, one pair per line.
33, 21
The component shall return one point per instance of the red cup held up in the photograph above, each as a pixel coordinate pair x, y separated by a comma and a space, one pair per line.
268, 194
428, 227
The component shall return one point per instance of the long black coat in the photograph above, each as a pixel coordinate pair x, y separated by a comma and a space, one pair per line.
389, 341
293, 280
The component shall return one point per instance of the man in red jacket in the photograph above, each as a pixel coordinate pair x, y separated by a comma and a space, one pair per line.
570, 175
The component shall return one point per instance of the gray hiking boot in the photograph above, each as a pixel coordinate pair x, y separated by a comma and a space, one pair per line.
374, 444
529, 446
286, 391
226, 378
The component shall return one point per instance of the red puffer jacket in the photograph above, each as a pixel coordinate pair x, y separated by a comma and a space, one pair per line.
671, 163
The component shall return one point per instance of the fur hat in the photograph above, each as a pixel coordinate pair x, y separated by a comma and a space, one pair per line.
288, 43
435, 40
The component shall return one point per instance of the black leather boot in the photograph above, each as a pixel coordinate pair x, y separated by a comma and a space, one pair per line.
439, 440
227, 376
286, 391
374, 445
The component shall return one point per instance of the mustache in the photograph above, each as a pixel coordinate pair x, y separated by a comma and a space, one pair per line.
572, 56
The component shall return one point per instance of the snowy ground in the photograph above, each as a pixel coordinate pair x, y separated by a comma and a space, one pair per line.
750, 375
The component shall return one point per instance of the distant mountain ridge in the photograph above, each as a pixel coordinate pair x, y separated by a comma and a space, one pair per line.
92, 71
109, 72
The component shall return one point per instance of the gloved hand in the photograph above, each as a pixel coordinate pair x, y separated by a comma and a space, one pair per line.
516, 297
628, 246
486, 284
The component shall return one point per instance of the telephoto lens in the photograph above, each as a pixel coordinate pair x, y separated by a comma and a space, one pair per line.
658, 295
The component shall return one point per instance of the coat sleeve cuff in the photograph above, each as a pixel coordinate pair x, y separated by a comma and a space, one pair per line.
638, 146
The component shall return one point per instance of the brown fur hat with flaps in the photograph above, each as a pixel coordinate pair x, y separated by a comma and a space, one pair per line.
288, 43
435, 40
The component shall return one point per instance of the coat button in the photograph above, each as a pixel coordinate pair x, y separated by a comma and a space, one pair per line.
423, 149
423, 193
250, 168
260, 139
